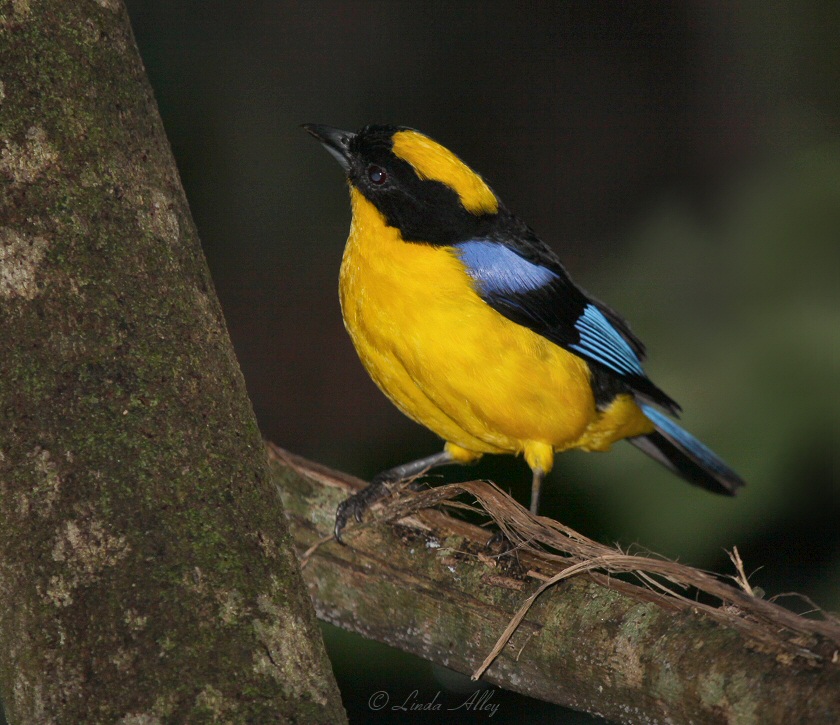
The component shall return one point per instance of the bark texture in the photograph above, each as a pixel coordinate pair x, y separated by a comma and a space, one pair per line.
144, 578
627, 653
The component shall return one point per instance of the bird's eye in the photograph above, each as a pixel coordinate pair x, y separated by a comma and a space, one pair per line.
377, 175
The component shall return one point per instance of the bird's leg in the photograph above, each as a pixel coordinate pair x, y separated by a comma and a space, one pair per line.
536, 484
380, 486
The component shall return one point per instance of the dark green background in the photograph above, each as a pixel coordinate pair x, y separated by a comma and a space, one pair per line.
682, 158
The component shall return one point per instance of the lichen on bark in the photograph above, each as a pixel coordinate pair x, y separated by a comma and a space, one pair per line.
149, 576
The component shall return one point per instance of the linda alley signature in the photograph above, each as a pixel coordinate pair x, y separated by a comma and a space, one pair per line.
478, 701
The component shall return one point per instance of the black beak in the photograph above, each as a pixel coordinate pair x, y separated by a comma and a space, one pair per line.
336, 141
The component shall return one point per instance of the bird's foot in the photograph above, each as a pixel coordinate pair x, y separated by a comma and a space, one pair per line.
505, 553
498, 543
382, 485
356, 505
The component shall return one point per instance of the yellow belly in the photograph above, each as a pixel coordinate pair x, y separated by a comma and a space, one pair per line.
450, 362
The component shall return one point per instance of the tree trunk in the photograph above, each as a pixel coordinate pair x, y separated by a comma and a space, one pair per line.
144, 578
430, 586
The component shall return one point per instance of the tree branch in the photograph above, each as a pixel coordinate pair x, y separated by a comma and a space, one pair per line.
591, 642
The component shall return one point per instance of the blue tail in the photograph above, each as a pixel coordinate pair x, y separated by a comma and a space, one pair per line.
685, 455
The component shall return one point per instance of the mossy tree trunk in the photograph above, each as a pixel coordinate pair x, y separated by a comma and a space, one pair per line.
143, 576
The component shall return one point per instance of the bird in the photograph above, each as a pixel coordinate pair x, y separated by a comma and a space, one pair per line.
470, 324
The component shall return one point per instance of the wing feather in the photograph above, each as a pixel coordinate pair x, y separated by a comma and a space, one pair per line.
533, 290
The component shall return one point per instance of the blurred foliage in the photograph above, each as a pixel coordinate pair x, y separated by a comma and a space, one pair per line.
682, 158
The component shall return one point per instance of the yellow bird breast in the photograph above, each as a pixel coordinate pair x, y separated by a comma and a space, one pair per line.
450, 362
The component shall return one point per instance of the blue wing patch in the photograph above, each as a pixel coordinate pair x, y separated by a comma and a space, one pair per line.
498, 270
601, 342
544, 299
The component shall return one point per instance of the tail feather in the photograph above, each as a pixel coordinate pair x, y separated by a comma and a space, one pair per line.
685, 455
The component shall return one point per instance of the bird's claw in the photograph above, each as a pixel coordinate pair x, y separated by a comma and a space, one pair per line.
498, 543
347, 508
357, 504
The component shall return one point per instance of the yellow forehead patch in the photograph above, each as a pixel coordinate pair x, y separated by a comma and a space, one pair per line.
433, 162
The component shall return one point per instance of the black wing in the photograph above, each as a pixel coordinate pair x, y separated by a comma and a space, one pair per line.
523, 280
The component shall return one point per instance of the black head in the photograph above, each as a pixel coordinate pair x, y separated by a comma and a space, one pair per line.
418, 186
